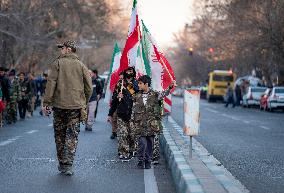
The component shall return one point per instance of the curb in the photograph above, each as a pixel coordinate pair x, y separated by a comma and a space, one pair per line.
184, 178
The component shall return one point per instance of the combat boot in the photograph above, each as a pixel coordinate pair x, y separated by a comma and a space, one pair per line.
69, 171
113, 135
147, 164
140, 164
61, 168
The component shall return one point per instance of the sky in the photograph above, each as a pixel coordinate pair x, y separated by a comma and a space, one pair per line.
163, 17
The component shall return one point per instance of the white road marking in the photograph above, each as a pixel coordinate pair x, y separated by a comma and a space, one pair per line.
211, 110
50, 125
3, 143
264, 127
36, 159
150, 181
247, 122
230, 117
32, 131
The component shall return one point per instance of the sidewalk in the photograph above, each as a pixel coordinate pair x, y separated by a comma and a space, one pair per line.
201, 174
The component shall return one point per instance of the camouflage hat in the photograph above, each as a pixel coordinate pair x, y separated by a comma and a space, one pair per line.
68, 44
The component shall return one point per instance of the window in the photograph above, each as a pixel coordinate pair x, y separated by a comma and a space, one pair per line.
223, 78
258, 90
279, 90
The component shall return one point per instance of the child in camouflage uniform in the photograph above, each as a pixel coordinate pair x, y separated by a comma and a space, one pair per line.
146, 119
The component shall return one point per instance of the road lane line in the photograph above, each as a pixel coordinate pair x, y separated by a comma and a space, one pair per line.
3, 143
264, 127
50, 125
247, 122
32, 131
36, 159
150, 181
211, 110
230, 117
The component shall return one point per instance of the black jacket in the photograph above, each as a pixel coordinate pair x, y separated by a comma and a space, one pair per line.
97, 89
5, 85
123, 107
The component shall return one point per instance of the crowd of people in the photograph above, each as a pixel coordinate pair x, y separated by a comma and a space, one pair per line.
72, 92
20, 93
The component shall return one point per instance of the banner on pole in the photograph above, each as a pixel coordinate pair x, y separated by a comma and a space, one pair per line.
191, 112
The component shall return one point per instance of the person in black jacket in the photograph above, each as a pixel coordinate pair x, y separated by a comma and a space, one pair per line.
96, 95
122, 103
4, 81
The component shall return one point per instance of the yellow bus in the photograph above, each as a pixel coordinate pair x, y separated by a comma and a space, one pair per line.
217, 85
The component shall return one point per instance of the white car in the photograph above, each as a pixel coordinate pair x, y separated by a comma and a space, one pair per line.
276, 99
253, 95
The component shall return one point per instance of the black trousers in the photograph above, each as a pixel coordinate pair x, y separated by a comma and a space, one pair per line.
145, 148
23, 105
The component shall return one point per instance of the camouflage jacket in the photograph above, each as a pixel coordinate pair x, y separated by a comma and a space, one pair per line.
15, 91
146, 119
69, 84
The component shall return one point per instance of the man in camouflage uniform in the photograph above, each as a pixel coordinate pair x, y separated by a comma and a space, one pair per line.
68, 89
122, 104
14, 97
146, 118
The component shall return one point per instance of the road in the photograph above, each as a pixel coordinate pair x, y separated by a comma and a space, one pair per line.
248, 142
28, 162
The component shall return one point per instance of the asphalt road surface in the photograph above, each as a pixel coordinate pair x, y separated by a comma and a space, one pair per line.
28, 162
248, 142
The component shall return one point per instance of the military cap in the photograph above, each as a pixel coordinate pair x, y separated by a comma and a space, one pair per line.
68, 44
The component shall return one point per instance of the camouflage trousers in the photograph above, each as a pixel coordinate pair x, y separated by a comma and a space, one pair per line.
156, 148
66, 125
125, 137
11, 115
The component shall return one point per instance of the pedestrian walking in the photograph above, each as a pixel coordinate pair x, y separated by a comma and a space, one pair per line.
145, 119
14, 98
238, 94
68, 89
230, 96
32, 94
24, 95
96, 96
122, 104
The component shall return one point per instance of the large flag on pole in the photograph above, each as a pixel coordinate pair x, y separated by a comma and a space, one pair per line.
131, 52
114, 66
160, 69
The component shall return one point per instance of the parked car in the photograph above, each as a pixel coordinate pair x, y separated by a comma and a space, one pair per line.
178, 92
276, 99
252, 96
264, 99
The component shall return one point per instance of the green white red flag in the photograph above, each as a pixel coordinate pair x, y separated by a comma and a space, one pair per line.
115, 63
160, 69
131, 55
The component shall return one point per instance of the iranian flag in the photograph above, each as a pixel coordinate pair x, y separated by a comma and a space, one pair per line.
155, 62
132, 52
115, 63
131, 55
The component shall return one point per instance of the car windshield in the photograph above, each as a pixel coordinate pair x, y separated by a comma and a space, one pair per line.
223, 78
279, 90
258, 89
